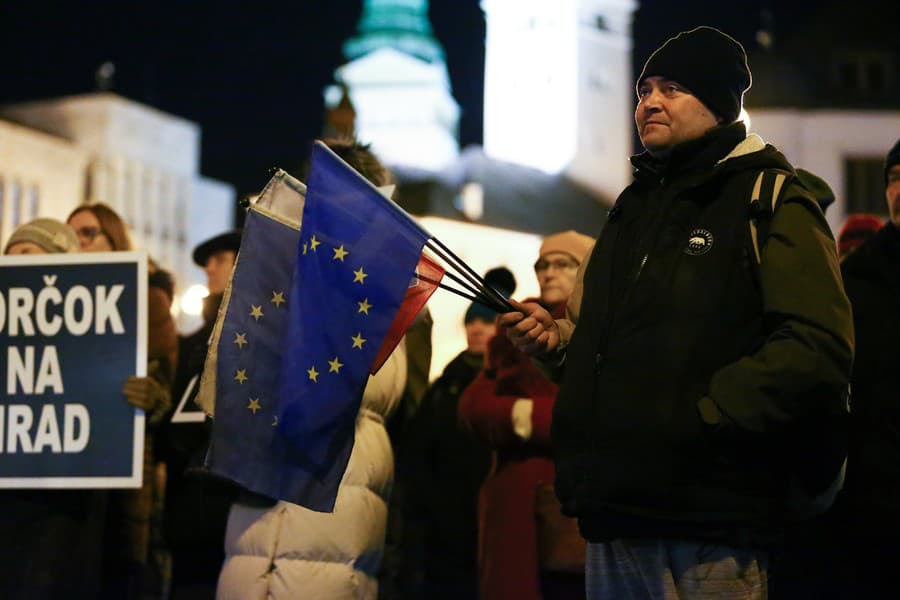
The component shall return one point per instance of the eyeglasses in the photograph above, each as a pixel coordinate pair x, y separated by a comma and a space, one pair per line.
89, 233
560, 264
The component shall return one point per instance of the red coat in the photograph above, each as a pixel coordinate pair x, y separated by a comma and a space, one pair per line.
507, 553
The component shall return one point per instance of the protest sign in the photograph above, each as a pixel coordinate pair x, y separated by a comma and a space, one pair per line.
73, 328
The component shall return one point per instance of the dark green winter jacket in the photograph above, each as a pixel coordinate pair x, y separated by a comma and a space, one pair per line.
691, 368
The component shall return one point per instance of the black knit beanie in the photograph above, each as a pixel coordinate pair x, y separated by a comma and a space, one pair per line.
892, 158
710, 64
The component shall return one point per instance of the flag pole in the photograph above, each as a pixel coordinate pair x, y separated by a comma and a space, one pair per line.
479, 295
477, 298
470, 274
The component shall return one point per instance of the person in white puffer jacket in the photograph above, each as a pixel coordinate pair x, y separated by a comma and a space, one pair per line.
286, 551
279, 550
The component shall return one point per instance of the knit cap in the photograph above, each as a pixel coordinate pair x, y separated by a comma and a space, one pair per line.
571, 242
710, 64
51, 235
856, 230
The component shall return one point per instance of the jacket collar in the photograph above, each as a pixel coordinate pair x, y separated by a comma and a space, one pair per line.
751, 143
716, 146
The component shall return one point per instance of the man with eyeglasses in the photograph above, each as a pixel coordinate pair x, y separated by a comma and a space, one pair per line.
704, 390
508, 407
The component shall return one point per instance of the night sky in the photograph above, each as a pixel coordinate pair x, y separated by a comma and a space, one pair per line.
252, 74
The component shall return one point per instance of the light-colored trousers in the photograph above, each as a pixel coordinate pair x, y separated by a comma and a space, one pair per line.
658, 569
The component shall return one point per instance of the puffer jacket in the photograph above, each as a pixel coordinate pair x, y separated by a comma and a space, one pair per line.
288, 551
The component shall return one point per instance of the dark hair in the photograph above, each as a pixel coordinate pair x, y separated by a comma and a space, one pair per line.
360, 157
111, 224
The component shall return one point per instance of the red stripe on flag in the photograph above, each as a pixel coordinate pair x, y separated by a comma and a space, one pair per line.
422, 286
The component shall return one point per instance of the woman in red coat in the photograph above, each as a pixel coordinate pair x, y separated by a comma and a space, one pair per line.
509, 406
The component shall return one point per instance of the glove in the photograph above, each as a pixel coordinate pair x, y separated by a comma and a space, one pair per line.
147, 393
143, 392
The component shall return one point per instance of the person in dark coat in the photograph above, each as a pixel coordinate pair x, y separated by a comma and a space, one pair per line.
689, 368
869, 506
445, 467
196, 506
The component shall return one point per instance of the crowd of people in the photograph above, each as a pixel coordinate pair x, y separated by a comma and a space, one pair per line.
699, 404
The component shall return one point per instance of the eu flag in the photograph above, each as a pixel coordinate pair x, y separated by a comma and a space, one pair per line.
357, 256
304, 316
245, 357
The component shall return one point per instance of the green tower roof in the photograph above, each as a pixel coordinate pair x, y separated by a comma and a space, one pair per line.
399, 24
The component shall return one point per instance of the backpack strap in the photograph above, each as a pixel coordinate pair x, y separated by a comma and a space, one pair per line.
764, 200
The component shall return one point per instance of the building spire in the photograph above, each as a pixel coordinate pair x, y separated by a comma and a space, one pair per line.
399, 24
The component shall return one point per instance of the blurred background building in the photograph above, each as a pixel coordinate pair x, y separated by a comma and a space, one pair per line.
826, 95
567, 61
57, 154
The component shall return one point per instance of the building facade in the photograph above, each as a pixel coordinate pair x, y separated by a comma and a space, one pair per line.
397, 84
557, 88
825, 92
57, 154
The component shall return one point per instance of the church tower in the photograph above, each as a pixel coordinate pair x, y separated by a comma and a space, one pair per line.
558, 89
397, 86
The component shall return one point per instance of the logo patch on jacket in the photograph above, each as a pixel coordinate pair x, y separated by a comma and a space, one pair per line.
699, 242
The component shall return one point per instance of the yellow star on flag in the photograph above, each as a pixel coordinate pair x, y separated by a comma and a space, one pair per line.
305, 247
254, 405
275, 421
364, 306
340, 253
256, 312
240, 339
241, 376
314, 243
358, 340
313, 374
277, 299
334, 366
359, 275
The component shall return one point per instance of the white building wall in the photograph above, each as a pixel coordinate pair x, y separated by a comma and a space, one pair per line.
140, 161
558, 89
40, 176
106, 124
820, 140
403, 108
482, 248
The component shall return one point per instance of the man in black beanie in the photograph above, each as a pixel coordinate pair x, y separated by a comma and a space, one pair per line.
869, 508
707, 337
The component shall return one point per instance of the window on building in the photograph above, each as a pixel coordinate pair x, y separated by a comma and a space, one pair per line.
2, 207
875, 74
34, 202
15, 203
864, 72
849, 75
864, 185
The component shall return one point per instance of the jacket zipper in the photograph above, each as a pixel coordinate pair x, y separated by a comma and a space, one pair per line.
640, 268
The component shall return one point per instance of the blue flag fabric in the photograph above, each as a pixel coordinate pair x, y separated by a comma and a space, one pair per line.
304, 318
245, 446
357, 256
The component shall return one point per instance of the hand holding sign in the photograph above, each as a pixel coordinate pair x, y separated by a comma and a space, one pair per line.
147, 394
